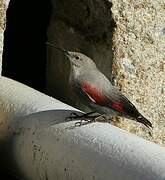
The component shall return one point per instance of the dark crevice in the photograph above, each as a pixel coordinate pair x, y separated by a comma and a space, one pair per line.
91, 18
24, 56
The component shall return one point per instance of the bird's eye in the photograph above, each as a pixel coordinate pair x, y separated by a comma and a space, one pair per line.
77, 57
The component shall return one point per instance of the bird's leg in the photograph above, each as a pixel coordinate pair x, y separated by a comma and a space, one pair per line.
86, 117
74, 115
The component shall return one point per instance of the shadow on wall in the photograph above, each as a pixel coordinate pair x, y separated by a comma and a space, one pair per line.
85, 26
24, 56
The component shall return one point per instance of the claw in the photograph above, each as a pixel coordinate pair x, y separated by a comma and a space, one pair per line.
78, 124
87, 121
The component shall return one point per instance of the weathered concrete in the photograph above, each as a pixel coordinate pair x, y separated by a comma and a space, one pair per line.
139, 62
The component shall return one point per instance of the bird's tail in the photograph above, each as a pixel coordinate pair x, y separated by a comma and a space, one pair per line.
144, 121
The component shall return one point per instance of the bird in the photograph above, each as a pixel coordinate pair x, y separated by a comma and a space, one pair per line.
96, 91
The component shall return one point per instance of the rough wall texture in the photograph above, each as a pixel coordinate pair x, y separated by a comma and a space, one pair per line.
139, 60
3, 6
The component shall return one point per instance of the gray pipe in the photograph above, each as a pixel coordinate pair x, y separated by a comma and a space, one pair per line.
38, 144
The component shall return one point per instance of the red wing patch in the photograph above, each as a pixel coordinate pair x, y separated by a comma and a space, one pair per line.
95, 95
118, 107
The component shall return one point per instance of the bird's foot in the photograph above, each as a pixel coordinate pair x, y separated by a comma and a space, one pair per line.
88, 118
74, 116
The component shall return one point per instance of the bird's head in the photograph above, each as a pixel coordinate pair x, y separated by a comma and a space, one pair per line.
77, 60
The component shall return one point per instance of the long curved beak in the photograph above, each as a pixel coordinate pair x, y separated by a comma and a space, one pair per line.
62, 50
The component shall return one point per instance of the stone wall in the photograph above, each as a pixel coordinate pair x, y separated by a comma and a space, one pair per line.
139, 60
3, 7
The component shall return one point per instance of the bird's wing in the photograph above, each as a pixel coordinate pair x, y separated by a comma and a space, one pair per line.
111, 98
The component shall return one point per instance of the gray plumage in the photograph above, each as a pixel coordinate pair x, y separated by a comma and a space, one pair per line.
111, 101
96, 91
